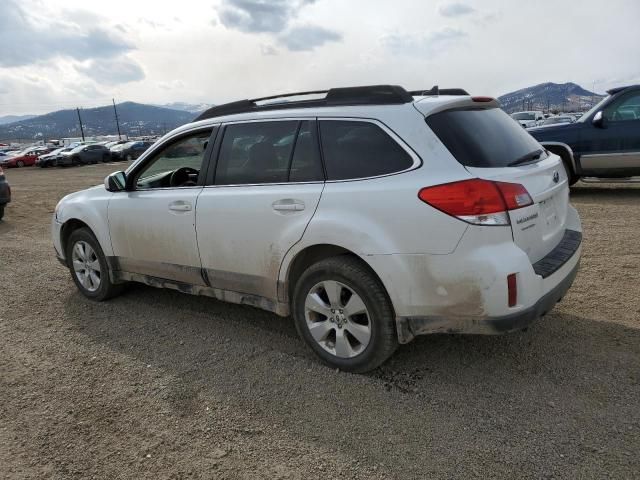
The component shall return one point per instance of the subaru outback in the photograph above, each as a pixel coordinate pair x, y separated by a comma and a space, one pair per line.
369, 214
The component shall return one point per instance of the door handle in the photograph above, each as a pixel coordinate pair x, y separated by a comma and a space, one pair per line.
180, 206
288, 205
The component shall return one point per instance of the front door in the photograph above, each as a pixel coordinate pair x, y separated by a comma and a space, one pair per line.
267, 185
152, 225
614, 148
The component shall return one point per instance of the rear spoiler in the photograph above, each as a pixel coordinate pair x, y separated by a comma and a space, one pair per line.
435, 91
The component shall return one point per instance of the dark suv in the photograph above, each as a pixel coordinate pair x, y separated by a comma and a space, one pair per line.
604, 142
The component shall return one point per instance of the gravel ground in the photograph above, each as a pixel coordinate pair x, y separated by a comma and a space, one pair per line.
157, 384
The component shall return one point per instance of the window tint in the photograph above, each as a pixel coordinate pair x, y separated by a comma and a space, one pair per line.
256, 152
482, 137
186, 154
360, 149
306, 165
624, 110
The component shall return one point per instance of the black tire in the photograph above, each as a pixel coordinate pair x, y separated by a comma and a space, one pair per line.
129, 157
19, 164
105, 158
573, 178
1, 211
351, 272
106, 289
75, 161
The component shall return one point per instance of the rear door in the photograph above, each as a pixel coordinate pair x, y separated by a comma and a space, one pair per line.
256, 206
491, 146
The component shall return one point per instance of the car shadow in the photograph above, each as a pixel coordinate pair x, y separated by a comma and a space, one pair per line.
553, 379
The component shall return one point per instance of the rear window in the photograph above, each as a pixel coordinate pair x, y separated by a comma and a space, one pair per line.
482, 137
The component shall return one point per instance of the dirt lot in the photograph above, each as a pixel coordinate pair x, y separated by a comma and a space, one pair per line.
157, 384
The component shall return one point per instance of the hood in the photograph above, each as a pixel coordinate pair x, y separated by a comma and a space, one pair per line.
556, 127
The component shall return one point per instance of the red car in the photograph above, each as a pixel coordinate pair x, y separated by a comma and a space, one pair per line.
21, 159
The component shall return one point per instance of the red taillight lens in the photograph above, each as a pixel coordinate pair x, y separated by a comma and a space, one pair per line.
514, 194
512, 289
477, 201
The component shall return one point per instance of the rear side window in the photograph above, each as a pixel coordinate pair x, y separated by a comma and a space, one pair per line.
359, 150
482, 137
256, 152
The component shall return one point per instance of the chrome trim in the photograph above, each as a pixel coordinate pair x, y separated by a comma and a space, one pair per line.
593, 161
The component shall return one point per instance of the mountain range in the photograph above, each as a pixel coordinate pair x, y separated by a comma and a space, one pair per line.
562, 97
142, 119
134, 118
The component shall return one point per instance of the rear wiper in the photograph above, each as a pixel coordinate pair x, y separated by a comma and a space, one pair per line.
535, 155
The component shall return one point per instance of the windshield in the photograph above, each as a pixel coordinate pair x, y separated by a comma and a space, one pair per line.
482, 137
595, 108
523, 116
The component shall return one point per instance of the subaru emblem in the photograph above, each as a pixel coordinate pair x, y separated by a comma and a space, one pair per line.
556, 177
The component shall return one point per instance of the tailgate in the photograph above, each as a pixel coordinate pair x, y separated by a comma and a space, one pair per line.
538, 228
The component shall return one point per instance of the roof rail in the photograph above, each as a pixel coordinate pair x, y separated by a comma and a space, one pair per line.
435, 90
366, 95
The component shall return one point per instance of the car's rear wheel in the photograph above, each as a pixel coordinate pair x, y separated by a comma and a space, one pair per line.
343, 313
105, 158
88, 266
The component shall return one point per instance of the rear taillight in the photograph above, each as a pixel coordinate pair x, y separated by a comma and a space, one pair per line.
477, 201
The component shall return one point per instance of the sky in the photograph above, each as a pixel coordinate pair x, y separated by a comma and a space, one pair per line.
58, 54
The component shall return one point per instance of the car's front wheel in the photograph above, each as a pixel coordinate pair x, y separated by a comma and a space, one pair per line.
19, 164
343, 313
88, 266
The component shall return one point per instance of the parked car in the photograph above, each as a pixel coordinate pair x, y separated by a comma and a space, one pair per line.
51, 159
84, 155
5, 193
25, 158
604, 142
529, 118
558, 119
129, 150
423, 214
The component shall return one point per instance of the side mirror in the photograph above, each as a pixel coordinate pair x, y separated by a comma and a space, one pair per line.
598, 120
116, 182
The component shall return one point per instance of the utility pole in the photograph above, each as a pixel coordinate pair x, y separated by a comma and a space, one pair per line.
117, 122
80, 120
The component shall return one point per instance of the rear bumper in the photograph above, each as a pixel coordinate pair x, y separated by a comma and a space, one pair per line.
409, 327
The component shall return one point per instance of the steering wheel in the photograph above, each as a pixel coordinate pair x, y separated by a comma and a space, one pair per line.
182, 177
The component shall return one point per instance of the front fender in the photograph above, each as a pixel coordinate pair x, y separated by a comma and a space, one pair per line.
90, 207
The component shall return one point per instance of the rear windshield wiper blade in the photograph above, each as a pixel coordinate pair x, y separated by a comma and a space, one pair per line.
535, 155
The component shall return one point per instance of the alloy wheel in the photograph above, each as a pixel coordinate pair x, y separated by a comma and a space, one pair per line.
86, 266
337, 319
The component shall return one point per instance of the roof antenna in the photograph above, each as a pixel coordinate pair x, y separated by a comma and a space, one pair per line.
435, 90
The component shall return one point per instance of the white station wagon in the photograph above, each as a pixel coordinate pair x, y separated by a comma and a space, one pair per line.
369, 214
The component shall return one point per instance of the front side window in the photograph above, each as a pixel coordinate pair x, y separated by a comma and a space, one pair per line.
354, 149
627, 109
256, 152
176, 165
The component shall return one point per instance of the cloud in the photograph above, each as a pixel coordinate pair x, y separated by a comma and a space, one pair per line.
26, 40
258, 16
112, 71
268, 49
307, 37
428, 45
172, 85
455, 10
